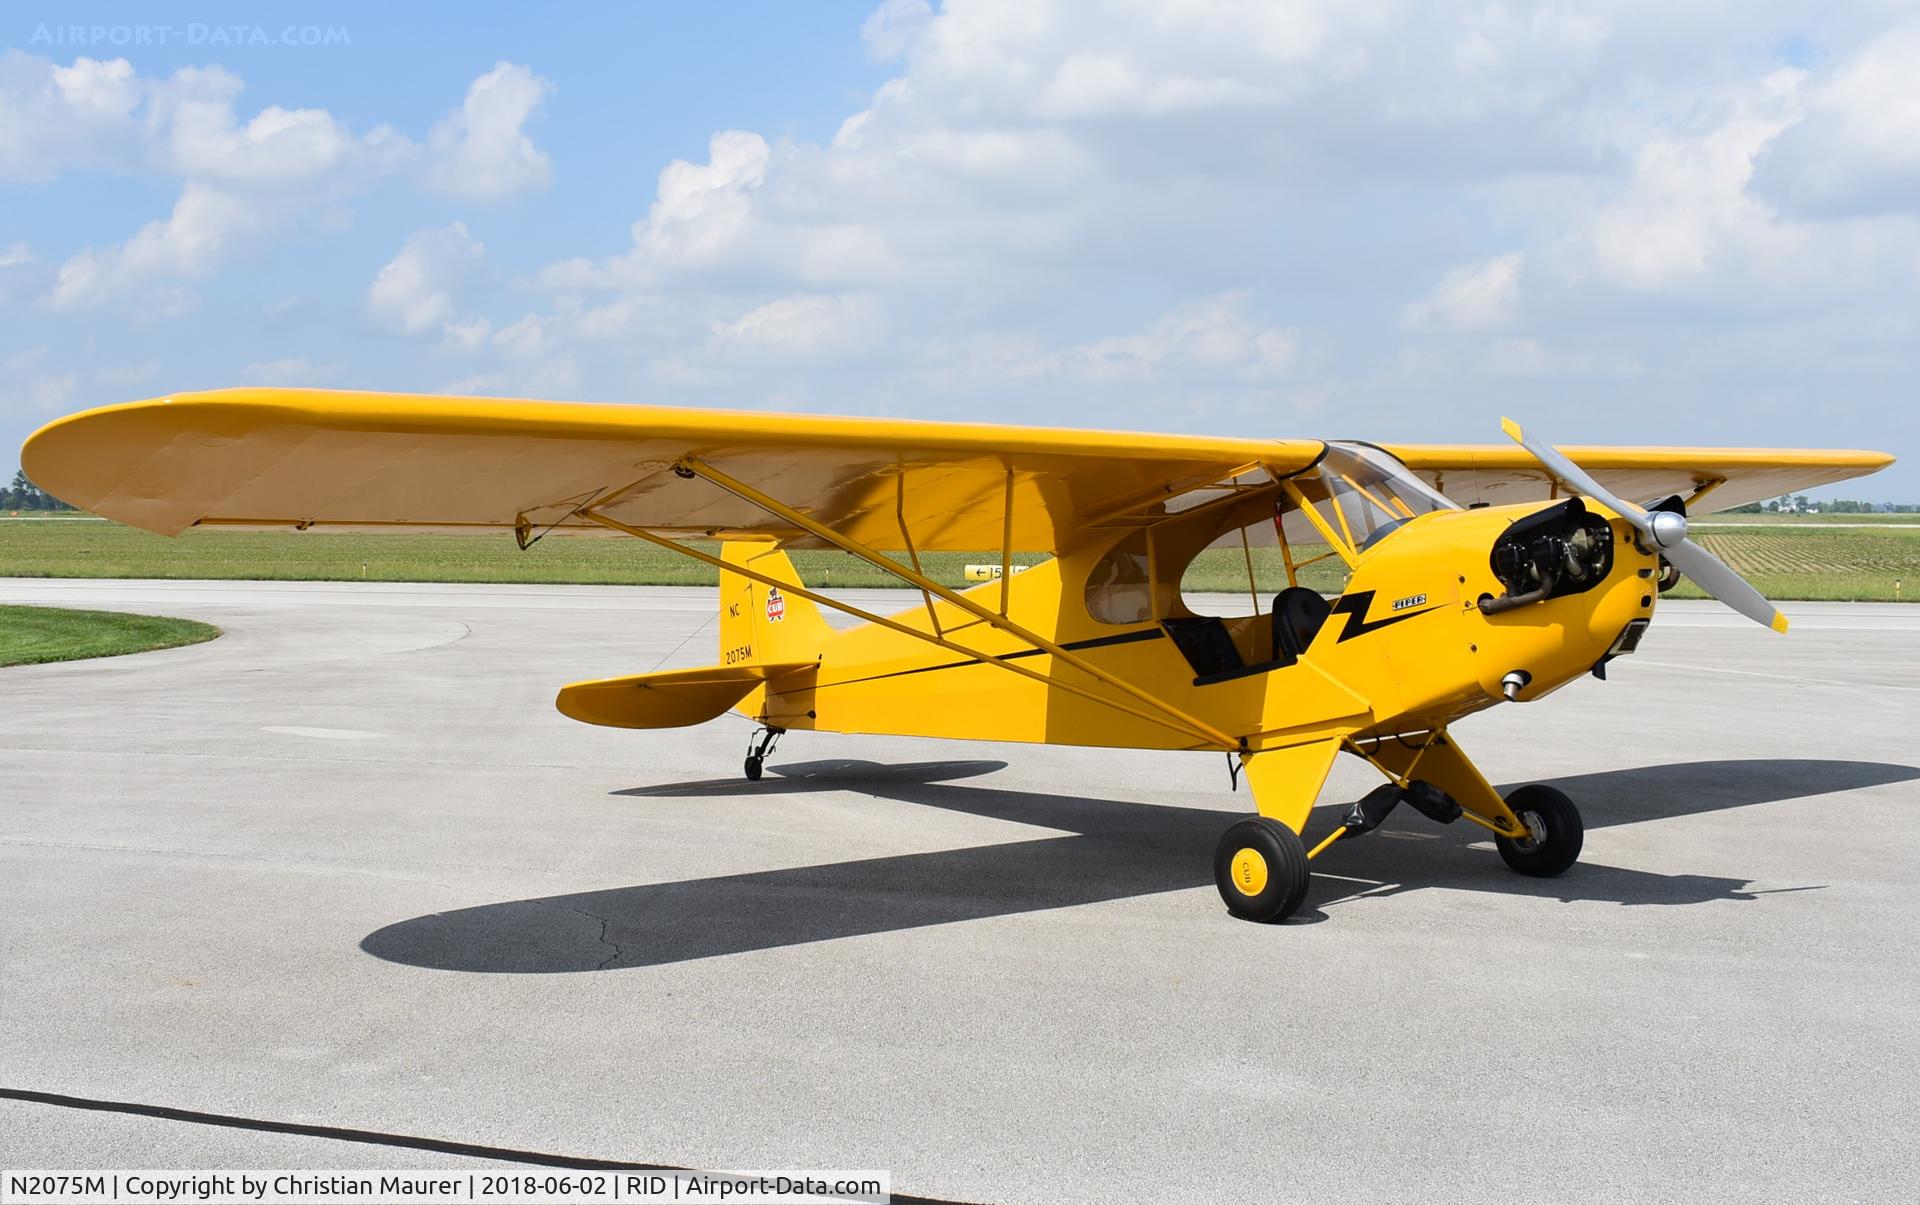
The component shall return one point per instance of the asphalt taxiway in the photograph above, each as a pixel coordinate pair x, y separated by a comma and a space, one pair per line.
346, 869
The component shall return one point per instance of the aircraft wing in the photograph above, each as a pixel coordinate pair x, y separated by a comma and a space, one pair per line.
1503, 473
277, 458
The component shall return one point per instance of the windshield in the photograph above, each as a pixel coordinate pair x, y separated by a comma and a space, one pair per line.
1362, 494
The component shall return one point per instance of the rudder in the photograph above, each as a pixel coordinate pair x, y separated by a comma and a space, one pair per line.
762, 624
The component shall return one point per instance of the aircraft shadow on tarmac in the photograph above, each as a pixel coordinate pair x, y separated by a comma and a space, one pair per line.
1118, 850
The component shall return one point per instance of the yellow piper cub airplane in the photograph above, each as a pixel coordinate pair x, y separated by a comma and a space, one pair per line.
1475, 575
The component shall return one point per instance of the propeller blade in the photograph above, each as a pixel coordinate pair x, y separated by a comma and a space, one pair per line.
1665, 528
1717, 578
1575, 477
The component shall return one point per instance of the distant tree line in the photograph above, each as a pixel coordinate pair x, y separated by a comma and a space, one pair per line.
25, 495
1791, 504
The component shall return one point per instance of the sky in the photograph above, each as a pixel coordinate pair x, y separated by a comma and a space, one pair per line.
1631, 223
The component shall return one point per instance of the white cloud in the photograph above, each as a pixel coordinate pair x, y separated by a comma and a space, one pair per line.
705, 221
527, 338
196, 134
1857, 151
1472, 296
242, 179
1686, 207
19, 270
466, 334
1530, 358
1210, 337
417, 293
548, 376
1214, 340
99, 115
186, 245
293, 370
890, 30
28, 388
701, 208
121, 376
53, 118
800, 326
413, 293
481, 150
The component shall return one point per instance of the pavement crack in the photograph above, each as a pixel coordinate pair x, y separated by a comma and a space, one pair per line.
601, 938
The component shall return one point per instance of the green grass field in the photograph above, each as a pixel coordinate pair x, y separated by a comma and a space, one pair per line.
1789, 557
109, 550
31, 635
1823, 520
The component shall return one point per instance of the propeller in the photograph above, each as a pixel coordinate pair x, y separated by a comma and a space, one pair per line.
1665, 530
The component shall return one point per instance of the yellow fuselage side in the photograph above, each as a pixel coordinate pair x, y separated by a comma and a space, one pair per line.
1382, 663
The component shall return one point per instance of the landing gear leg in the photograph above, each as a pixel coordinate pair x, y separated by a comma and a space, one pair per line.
1536, 828
1260, 866
759, 748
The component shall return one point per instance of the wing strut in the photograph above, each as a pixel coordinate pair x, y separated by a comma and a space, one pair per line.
906, 536
1208, 736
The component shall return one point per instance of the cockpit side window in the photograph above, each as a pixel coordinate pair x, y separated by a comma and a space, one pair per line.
1243, 568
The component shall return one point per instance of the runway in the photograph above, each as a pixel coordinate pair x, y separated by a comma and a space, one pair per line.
347, 868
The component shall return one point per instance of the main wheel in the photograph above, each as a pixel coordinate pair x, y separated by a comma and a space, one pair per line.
753, 768
1261, 870
1554, 832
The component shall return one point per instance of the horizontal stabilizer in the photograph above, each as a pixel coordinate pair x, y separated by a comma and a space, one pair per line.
673, 699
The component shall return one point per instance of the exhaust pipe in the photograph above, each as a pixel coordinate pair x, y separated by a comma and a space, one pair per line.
1515, 682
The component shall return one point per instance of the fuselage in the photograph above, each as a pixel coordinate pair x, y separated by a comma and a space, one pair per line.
1409, 645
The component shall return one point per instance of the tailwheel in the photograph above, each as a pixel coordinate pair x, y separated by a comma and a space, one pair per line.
1554, 832
759, 746
1261, 870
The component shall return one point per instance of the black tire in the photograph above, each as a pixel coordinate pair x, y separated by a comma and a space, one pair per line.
1261, 870
1559, 832
753, 769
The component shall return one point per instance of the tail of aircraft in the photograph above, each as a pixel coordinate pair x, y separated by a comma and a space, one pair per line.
766, 625
764, 632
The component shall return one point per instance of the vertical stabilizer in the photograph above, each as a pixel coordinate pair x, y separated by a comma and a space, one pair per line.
762, 624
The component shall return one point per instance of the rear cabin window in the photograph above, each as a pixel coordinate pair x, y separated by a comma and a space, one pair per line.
1120, 590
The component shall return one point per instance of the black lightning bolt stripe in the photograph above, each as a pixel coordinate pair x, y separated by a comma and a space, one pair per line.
1355, 607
